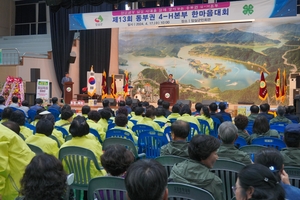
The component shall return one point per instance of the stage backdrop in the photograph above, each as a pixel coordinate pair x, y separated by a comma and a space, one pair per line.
220, 62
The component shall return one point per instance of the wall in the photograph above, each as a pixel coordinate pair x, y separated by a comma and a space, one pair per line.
7, 17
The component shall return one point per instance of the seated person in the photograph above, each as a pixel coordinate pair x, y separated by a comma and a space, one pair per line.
14, 102
38, 104
138, 114
178, 146
44, 179
198, 107
55, 104
148, 119
93, 118
159, 103
19, 117
185, 113
160, 116
175, 112
291, 114
205, 115
196, 170
85, 111
261, 128
116, 159
228, 133
6, 113
213, 107
79, 130
291, 154
105, 104
38, 116
254, 109
12, 126
166, 106
146, 180
123, 110
105, 116
2, 103
241, 122
257, 182
121, 124
65, 119
280, 118
56, 133
222, 107
271, 158
44, 128
25, 107
128, 105
264, 109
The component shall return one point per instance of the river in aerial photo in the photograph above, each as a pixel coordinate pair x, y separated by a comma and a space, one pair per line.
238, 75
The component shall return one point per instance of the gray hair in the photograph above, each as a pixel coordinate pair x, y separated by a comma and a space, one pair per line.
227, 132
281, 110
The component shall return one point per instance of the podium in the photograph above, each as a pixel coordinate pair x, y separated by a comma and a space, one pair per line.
169, 92
68, 92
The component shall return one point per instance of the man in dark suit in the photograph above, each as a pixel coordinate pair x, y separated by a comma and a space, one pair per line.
213, 107
264, 109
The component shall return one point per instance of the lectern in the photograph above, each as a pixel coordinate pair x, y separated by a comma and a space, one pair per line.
169, 92
68, 92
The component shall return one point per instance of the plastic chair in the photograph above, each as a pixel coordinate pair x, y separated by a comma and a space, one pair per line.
217, 123
278, 127
227, 170
31, 127
31, 114
167, 133
96, 134
240, 142
35, 149
168, 161
55, 113
140, 128
193, 130
294, 175
68, 137
62, 130
226, 118
22, 136
251, 150
161, 124
172, 120
150, 142
249, 127
119, 133
187, 192
204, 126
125, 142
111, 125
78, 160
133, 121
107, 187
1, 110
269, 142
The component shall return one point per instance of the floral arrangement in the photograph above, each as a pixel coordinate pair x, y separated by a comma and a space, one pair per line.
13, 87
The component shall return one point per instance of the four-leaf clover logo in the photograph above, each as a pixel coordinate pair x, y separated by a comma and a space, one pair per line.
99, 19
248, 9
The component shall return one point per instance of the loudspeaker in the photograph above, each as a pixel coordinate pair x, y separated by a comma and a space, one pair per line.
53, 2
112, 101
207, 102
297, 81
184, 102
72, 59
35, 74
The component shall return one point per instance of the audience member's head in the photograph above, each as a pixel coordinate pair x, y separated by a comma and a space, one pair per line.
185, 110
128, 101
205, 111
39, 101
121, 120
203, 148
12, 126
146, 179
227, 132
159, 111
166, 105
6, 113
66, 114
54, 100
198, 106
256, 181
222, 106
159, 102
123, 110
292, 135
66, 107
105, 103
44, 179
44, 126
139, 111
291, 110
85, 110
121, 103
94, 115
241, 122
116, 159
49, 117
264, 108
25, 103
280, 110
176, 108
18, 117
150, 112
38, 116
260, 125
79, 127
180, 130
254, 109
15, 99
213, 107
146, 104
2, 100
105, 114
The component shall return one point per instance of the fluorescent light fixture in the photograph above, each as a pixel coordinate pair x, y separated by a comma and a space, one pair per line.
208, 23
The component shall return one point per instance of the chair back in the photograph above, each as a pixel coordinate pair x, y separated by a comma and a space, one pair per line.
55, 113
62, 130
35, 149
249, 127
107, 187
150, 143
31, 127
168, 161
133, 121
167, 133
119, 133
78, 160
1, 110
187, 192
14, 108
140, 128
252, 149
125, 142
204, 126
172, 120
161, 124
294, 175
227, 170
269, 142
31, 114
193, 131
226, 118
217, 123
240, 142
111, 125
96, 134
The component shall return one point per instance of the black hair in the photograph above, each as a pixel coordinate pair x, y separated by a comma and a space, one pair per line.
262, 180
66, 107
222, 106
6, 113
50, 117
241, 121
44, 126
180, 128
150, 111
121, 120
54, 100
291, 110
264, 107
79, 127
185, 110
39, 101
176, 108
38, 116
123, 110
44, 179
25, 103
139, 111
85, 110
18, 117
121, 103
159, 102
213, 107
128, 101
160, 112
198, 106
12, 126
116, 159
15, 99
292, 138
146, 179
254, 109
201, 146
2, 99
205, 111
66, 114
105, 103
146, 104
105, 113
166, 105
94, 115
260, 125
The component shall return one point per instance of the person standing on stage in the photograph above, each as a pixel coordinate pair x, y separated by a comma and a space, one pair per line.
65, 79
171, 80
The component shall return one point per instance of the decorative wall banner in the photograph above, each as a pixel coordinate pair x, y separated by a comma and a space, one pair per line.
43, 89
183, 15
